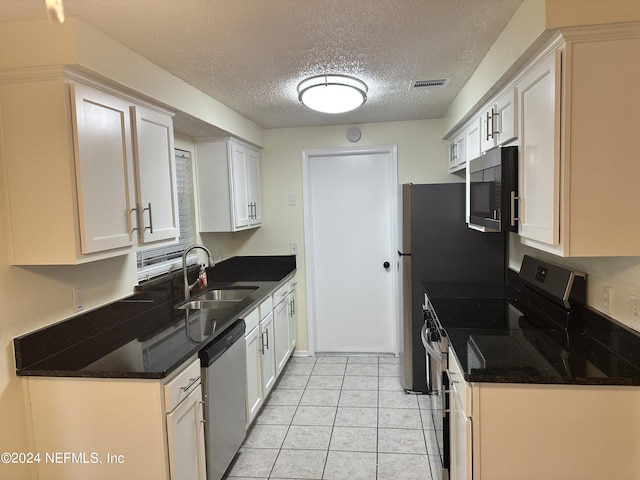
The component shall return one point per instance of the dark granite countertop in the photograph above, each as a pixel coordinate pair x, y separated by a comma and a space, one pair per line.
599, 351
539, 357
144, 335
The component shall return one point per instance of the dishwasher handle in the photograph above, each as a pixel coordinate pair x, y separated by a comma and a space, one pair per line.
222, 343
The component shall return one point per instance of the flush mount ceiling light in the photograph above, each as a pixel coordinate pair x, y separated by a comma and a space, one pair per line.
332, 93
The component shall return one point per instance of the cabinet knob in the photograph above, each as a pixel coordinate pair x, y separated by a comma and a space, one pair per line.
386, 264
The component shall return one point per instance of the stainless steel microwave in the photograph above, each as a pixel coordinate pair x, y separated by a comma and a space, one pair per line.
493, 190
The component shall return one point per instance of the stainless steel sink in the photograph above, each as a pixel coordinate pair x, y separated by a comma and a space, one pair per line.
216, 299
232, 294
207, 304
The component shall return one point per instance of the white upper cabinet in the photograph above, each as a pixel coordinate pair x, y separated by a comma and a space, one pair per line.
457, 153
103, 164
228, 185
499, 121
539, 156
472, 138
157, 197
578, 177
69, 160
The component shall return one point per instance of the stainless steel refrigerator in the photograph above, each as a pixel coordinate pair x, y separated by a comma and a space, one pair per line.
437, 246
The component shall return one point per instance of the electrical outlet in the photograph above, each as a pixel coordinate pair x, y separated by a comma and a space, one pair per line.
78, 299
293, 248
635, 311
607, 301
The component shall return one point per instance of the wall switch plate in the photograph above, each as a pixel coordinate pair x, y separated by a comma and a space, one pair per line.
292, 199
78, 299
606, 299
293, 248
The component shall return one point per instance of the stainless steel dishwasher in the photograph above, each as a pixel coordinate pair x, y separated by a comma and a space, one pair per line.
224, 384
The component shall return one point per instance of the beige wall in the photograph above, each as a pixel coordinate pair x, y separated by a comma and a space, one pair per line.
422, 158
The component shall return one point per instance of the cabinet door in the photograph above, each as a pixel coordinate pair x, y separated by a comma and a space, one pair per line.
487, 128
461, 437
268, 355
457, 153
292, 318
472, 136
185, 432
104, 162
539, 158
156, 176
281, 333
239, 190
253, 185
254, 373
507, 119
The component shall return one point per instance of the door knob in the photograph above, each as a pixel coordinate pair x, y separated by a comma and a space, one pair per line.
386, 264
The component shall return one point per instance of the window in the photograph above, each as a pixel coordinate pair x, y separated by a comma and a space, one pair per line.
157, 261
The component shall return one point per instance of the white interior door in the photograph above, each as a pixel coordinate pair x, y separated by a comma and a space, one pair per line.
350, 218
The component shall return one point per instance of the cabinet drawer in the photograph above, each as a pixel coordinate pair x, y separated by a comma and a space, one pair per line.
180, 386
251, 320
265, 308
460, 386
280, 294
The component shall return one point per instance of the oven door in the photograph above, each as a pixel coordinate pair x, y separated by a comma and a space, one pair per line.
436, 360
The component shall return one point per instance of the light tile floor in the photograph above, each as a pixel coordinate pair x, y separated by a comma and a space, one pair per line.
341, 417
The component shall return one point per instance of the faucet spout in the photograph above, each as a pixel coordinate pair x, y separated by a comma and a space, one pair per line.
187, 288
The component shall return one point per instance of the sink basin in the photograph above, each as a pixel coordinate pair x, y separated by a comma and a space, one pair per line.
231, 294
215, 299
207, 304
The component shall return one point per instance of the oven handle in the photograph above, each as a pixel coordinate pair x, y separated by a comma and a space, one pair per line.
433, 353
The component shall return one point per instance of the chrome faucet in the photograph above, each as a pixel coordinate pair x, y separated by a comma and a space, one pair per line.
187, 287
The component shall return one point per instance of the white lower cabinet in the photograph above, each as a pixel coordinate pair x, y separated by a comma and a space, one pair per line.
281, 327
253, 340
186, 450
534, 431
270, 339
269, 372
119, 427
291, 302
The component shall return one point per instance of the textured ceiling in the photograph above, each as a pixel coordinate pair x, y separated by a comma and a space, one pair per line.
251, 54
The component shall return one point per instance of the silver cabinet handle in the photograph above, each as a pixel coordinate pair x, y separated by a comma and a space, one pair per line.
261, 343
494, 120
131, 228
192, 382
267, 332
514, 218
150, 227
489, 122
253, 210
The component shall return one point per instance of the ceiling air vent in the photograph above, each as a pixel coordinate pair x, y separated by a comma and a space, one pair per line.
425, 84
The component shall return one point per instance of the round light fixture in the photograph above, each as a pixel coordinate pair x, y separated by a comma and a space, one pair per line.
332, 93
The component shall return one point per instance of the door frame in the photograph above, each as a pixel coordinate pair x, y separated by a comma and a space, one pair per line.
309, 256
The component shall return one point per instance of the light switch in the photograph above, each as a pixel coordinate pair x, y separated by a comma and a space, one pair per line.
292, 199
293, 248
78, 299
